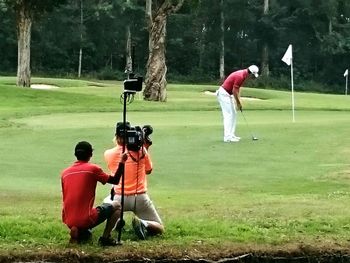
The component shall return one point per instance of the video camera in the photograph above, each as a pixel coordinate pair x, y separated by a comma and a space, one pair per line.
133, 84
136, 137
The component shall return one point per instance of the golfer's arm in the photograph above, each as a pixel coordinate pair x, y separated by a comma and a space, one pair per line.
235, 94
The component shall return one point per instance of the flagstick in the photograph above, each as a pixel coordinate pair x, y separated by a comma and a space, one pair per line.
291, 74
346, 85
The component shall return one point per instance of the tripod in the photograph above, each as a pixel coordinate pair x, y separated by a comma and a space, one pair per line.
127, 95
131, 86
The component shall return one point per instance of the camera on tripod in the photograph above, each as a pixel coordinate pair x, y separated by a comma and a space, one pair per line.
136, 137
133, 84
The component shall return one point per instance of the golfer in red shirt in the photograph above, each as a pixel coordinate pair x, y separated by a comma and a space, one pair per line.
231, 88
78, 190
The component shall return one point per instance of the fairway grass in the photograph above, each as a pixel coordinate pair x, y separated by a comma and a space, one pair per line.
288, 189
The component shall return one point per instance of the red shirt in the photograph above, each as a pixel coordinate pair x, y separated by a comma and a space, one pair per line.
235, 80
78, 190
136, 167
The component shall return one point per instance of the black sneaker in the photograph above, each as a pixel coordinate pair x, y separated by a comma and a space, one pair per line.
85, 236
139, 228
74, 235
107, 241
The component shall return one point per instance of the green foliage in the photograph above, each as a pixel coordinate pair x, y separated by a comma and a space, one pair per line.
8, 41
35, 7
196, 75
319, 32
109, 74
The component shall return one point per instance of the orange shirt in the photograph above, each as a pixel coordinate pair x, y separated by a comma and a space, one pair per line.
136, 166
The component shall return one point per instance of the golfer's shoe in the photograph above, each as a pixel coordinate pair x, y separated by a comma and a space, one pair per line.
139, 228
232, 140
107, 241
236, 137
74, 235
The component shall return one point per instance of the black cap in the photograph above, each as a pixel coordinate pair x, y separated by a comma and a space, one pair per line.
119, 128
83, 147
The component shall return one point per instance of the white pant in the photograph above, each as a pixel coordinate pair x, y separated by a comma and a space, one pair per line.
229, 113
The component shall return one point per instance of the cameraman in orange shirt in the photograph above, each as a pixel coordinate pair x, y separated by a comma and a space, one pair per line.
137, 166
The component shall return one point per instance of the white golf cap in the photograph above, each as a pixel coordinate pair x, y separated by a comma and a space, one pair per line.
254, 70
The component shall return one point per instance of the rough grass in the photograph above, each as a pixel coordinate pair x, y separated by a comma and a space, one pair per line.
285, 192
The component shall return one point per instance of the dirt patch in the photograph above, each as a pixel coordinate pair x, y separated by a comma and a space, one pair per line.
141, 254
96, 85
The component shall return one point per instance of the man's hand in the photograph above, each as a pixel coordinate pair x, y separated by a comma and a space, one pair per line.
147, 144
118, 173
235, 93
124, 157
239, 106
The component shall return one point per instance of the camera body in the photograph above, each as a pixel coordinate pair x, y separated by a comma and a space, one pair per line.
133, 84
136, 137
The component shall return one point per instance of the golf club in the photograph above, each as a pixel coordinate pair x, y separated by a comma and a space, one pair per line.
254, 138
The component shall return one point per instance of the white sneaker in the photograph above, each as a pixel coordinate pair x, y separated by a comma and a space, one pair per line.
236, 137
232, 140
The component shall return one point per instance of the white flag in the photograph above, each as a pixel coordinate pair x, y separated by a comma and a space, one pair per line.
288, 56
346, 73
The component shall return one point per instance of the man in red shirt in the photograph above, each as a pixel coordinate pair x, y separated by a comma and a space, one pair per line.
138, 165
231, 88
78, 191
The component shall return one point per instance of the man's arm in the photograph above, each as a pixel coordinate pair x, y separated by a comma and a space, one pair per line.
235, 93
115, 179
148, 162
120, 170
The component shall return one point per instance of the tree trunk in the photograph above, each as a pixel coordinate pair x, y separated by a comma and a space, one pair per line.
24, 29
222, 41
129, 62
81, 38
330, 26
202, 46
265, 68
80, 60
155, 89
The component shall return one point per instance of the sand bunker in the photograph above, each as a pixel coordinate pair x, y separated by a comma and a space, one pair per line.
243, 98
43, 86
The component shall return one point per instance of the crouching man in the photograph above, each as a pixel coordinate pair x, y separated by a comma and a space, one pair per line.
78, 191
138, 165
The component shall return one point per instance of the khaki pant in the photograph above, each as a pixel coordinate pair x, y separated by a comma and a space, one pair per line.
140, 204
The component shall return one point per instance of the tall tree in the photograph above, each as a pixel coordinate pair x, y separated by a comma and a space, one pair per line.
81, 37
265, 69
157, 12
26, 11
89, 10
222, 41
8, 41
130, 14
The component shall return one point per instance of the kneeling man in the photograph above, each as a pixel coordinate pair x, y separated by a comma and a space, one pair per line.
78, 191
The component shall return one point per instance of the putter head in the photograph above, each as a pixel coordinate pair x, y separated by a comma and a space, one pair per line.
255, 138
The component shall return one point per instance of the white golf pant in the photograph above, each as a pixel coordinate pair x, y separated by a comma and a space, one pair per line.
229, 113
